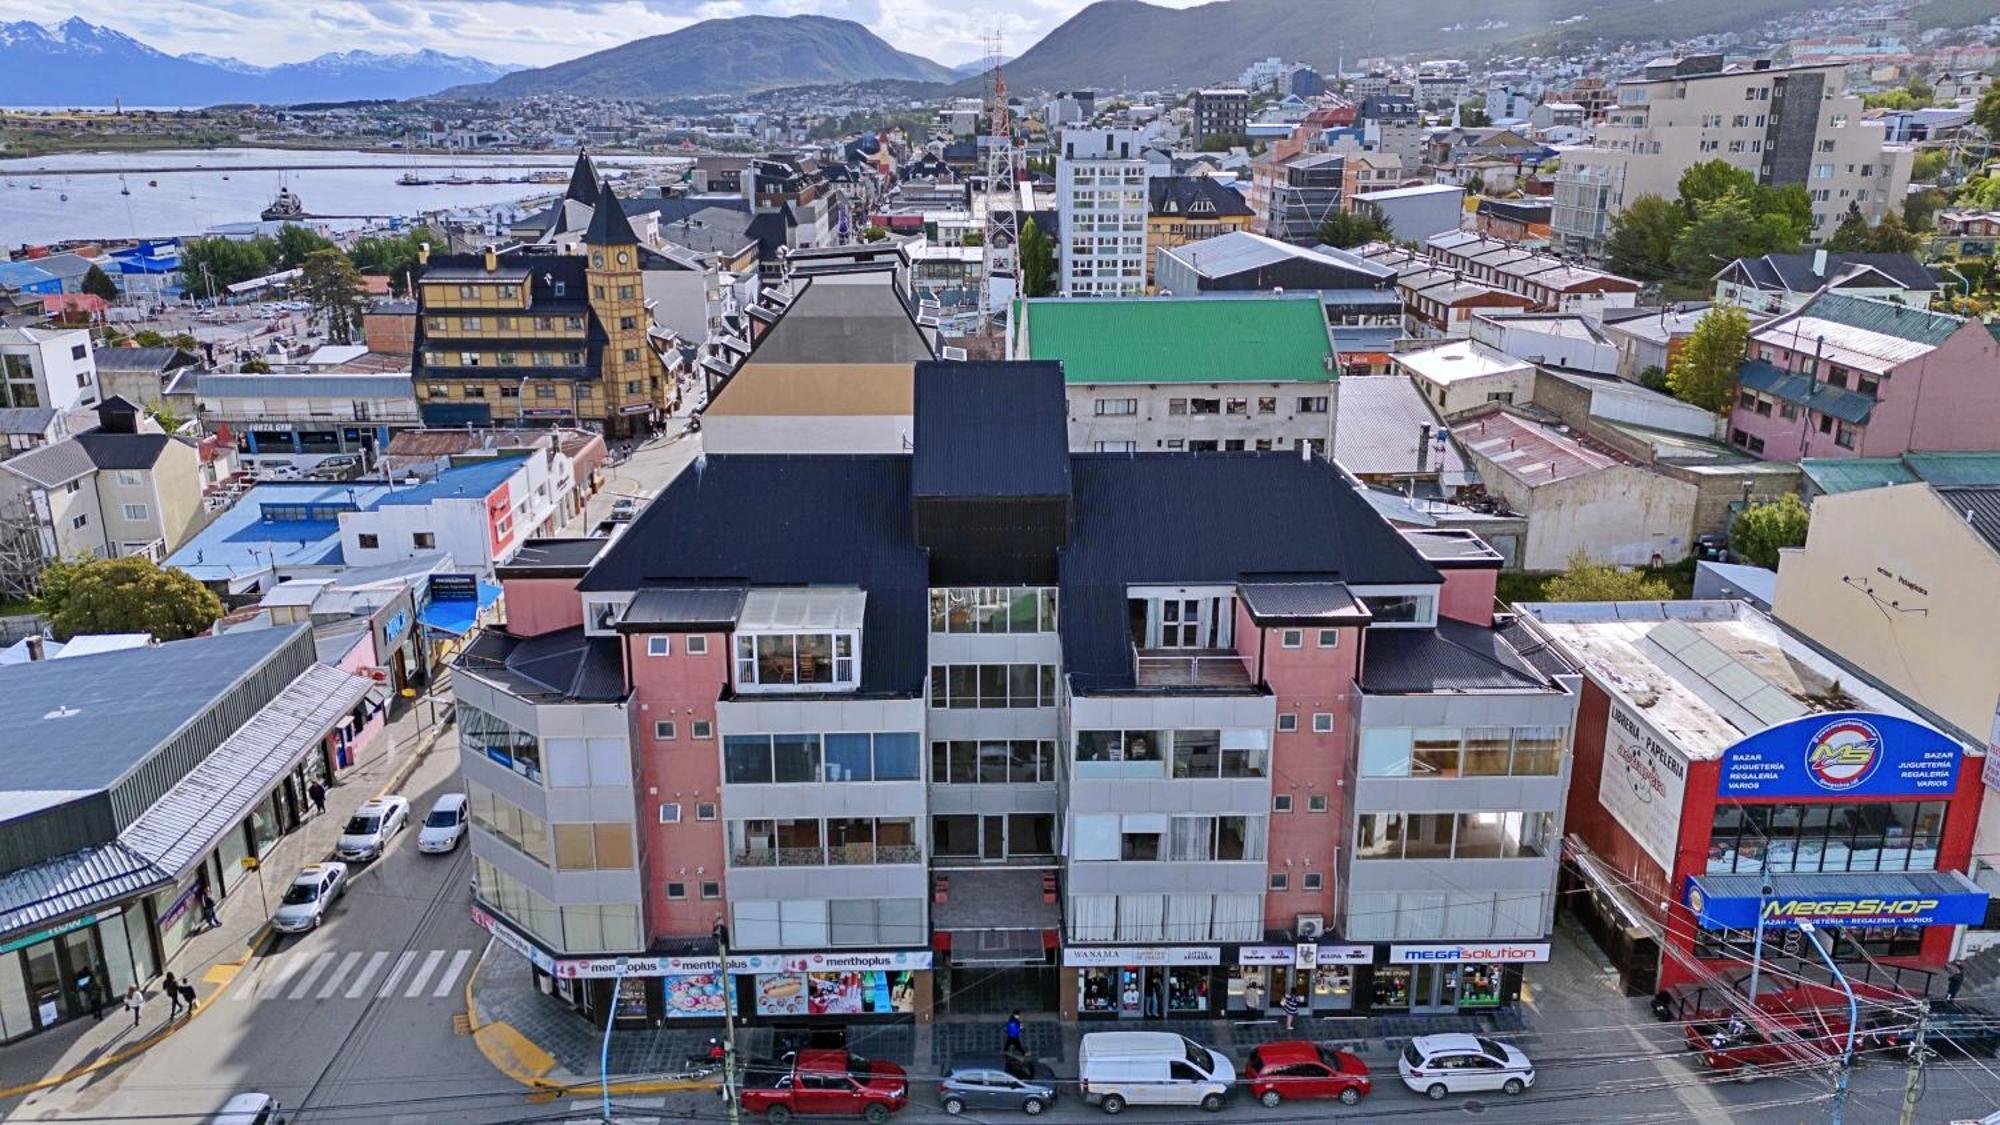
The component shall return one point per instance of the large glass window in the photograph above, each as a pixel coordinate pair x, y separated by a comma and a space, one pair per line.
1822, 837
993, 609
1465, 835
1446, 752
487, 734
758, 759
810, 842
789, 659
509, 823
993, 685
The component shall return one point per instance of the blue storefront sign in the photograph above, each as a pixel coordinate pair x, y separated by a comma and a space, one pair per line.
1847, 753
1923, 899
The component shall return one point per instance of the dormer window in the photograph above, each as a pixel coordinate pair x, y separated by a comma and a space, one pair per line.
800, 640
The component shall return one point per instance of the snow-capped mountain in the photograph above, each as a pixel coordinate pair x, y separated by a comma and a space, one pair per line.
78, 63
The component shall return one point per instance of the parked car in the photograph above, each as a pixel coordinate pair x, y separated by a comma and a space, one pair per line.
340, 466
310, 896
445, 826
624, 508
997, 1081
1438, 1065
1296, 1070
249, 1109
1120, 1068
368, 831
1733, 1044
824, 1083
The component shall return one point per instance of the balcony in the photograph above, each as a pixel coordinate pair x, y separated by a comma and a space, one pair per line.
1205, 669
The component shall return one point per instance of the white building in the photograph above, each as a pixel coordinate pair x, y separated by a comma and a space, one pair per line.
1101, 195
1784, 125
47, 368
480, 514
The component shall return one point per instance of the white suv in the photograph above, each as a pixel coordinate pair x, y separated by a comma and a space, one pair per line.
368, 830
1438, 1065
309, 897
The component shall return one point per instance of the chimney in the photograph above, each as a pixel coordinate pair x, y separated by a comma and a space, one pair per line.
35, 645
492, 259
1819, 262
423, 253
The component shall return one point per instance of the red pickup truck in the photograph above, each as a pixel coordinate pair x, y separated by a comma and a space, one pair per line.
824, 1083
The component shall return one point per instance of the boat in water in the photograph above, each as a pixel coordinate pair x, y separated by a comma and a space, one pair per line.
287, 206
411, 179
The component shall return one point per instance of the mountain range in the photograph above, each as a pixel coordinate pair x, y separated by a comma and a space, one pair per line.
78, 63
740, 55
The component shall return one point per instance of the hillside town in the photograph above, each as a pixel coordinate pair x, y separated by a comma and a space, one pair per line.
1449, 581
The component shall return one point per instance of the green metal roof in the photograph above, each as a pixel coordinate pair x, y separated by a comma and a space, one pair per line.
1943, 470
1947, 470
1901, 321
1181, 339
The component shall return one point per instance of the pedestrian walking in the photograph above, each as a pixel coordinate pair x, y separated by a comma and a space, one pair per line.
317, 792
187, 994
134, 1000
173, 986
209, 918
1253, 997
1291, 1006
1014, 1032
87, 986
1955, 981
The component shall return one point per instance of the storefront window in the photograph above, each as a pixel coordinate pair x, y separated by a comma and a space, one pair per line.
264, 824
1333, 988
1479, 986
1391, 987
230, 852
1811, 838
1100, 990
1187, 990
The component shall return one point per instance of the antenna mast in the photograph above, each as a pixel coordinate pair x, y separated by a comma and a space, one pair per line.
999, 258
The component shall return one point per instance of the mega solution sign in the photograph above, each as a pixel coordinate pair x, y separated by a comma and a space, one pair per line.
1843, 754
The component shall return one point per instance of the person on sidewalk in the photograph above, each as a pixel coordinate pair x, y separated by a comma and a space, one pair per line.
1291, 1006
134, 1000
209, 918
1955, 981
173, 987
1013, 1043
95, 995
187, 994
1253, 998
317, 792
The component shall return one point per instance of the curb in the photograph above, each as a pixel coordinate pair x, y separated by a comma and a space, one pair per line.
136, 1049
521, 1059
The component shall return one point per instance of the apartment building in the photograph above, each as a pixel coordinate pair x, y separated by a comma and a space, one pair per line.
1103, 202
1785, 125
119, 489
1186, 209
42, 367
1294, 197
1221, 112
984, 744
299, 420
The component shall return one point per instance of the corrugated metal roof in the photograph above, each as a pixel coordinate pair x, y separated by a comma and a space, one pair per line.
685, 606
73, 883
1456, 656
990, 429
1846, 405
1270, 602
1948, 469
1380, 427
306, 386
1182, 340
1847, 474
1527, 452
1981, 508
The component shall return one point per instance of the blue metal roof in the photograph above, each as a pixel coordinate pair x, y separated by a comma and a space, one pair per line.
1848, 406
241, 542
472, 481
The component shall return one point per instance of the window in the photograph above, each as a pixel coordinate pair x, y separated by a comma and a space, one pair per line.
1815, 838
1288, 722
1315, 404
80, 522
1267, 405
697, 645
677, 891
1236, 406
506, 745
659, 646
762, 759
423, 540
1316, 802
1844, 435
704, 810
592, 847
1280, 881
994, 761
701, 729
711, 890
79, 351
1281, 802
670, 813
1329, 638
135, 513
511, 825
663, 730
964, 686
1117, 406
1177, 406
1322, 722
1468, 835
128, 478
1292, 638
993, 609
1313, 881
367, 541
802, 659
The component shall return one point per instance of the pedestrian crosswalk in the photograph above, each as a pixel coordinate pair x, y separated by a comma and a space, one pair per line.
325, 975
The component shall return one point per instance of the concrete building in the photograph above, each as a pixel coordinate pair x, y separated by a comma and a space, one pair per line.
1895, 580
142, 376
1785, 125
1367, 171
1717, 753
115, 490
1176, 373
1294, 197
1390, 437
1243, 262
1103, 203
1780, 283
479, 513
1185, 209
1578, 499
298, 420
1848, 377
125, 807
44, 367
1394, 123
1464, 375
1220, 112
1560, 340
1648, 340
1092, 774
1414, 214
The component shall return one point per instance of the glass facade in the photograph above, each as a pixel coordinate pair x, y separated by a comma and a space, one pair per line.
1813, 838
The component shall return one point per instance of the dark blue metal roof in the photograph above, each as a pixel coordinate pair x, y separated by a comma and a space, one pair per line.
1848, 406
1167, 518
1455, 656
991, 429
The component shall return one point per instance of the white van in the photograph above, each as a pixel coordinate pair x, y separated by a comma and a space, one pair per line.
1121, 1068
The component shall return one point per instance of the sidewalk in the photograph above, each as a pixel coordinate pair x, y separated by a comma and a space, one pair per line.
212, 958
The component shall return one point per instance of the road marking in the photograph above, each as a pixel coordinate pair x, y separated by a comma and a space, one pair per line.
340, 972
451, 972
278, 978
395, 974
424, 972
368, 972
306, 979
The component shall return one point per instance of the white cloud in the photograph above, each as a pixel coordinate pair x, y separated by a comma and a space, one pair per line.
533, 33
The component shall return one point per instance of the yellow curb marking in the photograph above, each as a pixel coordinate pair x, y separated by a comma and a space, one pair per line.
221, 974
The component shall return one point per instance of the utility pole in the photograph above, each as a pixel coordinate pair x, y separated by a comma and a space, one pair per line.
1764, 891
604, 1053
1914, 1069
728, 1021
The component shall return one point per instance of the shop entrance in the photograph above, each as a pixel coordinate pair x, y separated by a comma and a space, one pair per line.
65, 977
1136, 992
1433, 989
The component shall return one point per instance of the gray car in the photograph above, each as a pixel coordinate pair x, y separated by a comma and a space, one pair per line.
996, 1082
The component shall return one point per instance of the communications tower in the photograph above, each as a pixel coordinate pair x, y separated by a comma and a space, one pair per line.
1000, 259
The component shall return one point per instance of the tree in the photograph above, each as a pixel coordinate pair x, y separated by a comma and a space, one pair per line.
1762, 530
973, 238
97, 283
1929, 165
1890, 236
163, 414
210, 265
394, 256
1475, 184
1724, 229
1704, 370
1852, 233
1786, 214
185, 341
333, 286
1710, 180
1347, 229
1921, 207
132, 594
1654, 378
255, 366
296, 243
1223, 142
1038, 262
1586, 581
1641, 243
147, 338
1986, 114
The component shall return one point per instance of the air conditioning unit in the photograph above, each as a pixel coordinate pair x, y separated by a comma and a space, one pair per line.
1309, 927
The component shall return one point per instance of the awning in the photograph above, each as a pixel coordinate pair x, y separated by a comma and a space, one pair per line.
458, 616
1886, 898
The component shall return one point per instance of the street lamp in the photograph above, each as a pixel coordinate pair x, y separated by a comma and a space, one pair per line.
1811, 933
604, 1052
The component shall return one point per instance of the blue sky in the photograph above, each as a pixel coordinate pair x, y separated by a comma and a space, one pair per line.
534, 33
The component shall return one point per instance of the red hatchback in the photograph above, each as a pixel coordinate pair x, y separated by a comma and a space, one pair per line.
1297, 1070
